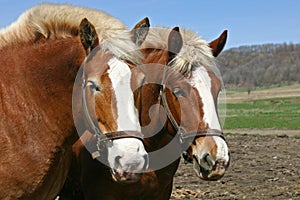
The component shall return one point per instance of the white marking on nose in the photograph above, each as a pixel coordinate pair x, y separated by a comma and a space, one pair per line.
131, 152
127, 114
222, 149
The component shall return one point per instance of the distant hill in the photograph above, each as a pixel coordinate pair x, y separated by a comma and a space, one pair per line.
260, 65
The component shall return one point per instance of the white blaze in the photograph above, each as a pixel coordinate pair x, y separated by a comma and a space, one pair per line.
130, 151
127, 116
202, 82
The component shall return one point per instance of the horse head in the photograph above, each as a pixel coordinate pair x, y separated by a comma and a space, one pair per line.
107, 102
187, 90
208, 150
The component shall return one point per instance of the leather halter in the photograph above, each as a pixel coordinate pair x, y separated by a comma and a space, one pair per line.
184, 137
103, 138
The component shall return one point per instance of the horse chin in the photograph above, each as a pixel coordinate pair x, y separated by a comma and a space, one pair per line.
126, 177
209, 175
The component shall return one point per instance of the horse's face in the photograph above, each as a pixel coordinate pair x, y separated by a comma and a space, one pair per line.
109, 83
109, 92
191, 104
210, 154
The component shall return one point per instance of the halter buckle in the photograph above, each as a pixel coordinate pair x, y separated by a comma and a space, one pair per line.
96, 154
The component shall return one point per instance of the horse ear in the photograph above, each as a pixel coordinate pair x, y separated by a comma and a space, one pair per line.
218, 44
140, 31
175, 43
88, 35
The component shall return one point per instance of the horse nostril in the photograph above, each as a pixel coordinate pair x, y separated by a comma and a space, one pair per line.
117, 162
205, 157
229, 160
196, 158
117, 159
146, 164
207, 162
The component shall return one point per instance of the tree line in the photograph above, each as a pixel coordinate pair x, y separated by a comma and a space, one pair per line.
260, 65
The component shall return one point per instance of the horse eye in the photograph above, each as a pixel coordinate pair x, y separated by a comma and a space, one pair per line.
93, 86
179, 92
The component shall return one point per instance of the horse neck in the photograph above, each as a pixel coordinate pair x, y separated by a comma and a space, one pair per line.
38, 78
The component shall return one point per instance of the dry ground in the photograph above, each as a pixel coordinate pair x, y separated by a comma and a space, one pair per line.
263, 167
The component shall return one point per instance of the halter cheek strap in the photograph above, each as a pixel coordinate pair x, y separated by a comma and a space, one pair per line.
91, 124
163, 98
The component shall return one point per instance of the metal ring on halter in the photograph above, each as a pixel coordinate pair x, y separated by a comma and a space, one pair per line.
181, 133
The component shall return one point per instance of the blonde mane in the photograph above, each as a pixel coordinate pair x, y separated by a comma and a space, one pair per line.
194, 53
53, 20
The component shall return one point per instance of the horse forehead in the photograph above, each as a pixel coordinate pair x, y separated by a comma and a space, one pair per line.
215, 82
203, 79
97, 62
119, 72
152, 55
109, 67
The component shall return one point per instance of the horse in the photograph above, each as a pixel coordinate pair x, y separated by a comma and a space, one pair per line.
41, 54
206, 148
189, 116
195, 126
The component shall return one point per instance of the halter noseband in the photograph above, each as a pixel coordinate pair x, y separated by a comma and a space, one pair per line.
101, 137
184, 136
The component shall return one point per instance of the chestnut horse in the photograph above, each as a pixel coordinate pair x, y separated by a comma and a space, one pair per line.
175, 102
196, 124
41, 54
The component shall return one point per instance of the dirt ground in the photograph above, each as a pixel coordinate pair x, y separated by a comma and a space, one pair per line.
262, 167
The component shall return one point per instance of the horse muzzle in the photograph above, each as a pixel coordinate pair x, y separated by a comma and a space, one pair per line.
209, 169
128, 159
130, 175
125, 177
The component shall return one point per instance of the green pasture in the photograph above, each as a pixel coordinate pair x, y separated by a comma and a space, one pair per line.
277, 113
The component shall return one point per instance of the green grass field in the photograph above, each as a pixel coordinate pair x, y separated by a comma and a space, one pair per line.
275, 113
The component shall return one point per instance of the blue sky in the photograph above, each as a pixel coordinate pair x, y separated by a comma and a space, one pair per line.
248, 22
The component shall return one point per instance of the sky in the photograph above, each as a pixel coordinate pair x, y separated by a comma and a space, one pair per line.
248, 22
